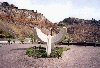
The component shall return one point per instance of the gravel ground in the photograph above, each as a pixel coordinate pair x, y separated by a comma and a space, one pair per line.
13, 56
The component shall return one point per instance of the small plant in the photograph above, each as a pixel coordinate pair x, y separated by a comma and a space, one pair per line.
30, 52
36, 52
40, 52
65, 49
57, 52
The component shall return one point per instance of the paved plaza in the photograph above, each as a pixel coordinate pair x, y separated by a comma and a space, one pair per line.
13, 56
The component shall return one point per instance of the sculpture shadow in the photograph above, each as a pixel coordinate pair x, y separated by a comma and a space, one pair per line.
20, 49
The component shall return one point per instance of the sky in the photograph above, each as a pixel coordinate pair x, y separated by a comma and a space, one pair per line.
57, 10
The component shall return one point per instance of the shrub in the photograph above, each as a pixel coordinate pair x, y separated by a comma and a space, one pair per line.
40, 52
36, 52
57, 52
65, 49
30, 52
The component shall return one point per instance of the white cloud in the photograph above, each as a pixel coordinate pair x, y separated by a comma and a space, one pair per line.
87, 13
56, 11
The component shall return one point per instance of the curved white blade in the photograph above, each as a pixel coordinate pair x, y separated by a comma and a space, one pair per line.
41, 35
59, 37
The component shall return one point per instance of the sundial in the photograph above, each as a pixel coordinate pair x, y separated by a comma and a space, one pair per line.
50, 39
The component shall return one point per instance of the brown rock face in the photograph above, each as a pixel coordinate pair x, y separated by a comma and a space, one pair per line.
21, 22
81, 30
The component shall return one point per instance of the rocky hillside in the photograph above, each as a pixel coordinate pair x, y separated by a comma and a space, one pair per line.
80, 30
21, 22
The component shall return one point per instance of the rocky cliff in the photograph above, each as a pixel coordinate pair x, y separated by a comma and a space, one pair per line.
21, 22
80, 30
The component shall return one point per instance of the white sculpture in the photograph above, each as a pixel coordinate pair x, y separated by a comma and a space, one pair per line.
50, 40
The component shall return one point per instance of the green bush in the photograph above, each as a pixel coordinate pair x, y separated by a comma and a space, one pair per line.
36, 52
65, 49
57, 52
30, 52
40, 52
